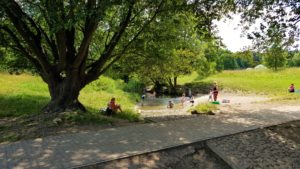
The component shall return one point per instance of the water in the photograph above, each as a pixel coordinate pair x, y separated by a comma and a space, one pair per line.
162, 102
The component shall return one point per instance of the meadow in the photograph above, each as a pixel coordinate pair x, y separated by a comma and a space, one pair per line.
22, 95
262, 82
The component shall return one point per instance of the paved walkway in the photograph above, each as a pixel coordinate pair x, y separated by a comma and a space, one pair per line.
257, 149
82, 149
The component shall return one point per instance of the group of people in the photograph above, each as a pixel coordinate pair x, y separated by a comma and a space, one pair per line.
213, 96
113, 107
183, 99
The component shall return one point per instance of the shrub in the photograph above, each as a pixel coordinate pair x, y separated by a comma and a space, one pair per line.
133, 86
207, 108
103, 84
199, 87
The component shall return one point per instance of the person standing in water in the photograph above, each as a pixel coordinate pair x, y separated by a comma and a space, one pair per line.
182, 100
215, 91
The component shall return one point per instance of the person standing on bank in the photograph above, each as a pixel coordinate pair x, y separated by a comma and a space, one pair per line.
215, 91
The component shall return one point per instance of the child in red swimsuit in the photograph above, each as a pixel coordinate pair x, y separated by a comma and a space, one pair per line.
215, 91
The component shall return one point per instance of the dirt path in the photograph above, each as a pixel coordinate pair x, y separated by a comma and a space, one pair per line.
254, 104
238, 103
201, 156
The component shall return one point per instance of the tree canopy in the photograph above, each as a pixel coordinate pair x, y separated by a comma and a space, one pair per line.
72, 42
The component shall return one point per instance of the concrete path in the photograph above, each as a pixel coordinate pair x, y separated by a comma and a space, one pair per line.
257, 149
83, 149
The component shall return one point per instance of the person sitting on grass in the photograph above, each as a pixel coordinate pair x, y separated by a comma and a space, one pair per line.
291, 89
112, 107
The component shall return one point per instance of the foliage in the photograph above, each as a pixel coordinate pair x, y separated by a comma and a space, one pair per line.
244, 59
72, 43
199, 87
134, 86
194, 76
275, 57
157, 59
229, 62
278, 19
293, 58
12, 62
206, 108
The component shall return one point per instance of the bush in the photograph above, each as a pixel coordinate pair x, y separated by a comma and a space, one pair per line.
103, 84
199, 87
133, 86
207, 108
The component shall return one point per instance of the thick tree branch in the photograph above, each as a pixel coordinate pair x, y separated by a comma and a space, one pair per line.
117, 57
17, 17
96, 66
23, 50
89, 30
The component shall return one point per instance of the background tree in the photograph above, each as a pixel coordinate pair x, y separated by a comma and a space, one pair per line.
12, 62
160, 56
228, 60
244, 59
275, 57
293, 58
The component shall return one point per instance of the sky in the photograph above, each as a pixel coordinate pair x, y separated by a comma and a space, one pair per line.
231, 34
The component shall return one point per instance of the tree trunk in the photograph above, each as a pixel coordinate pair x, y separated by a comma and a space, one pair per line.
64, 95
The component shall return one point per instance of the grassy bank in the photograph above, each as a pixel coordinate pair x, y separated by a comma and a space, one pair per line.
273, 84
26, 94
23, 96
266, 82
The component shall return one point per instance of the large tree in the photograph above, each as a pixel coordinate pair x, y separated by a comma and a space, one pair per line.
71, 43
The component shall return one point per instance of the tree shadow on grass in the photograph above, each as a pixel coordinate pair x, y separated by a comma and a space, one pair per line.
21, 105
21, 118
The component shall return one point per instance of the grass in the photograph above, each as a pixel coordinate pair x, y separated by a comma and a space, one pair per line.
204, 108
188, 78
265, 82
23, 95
